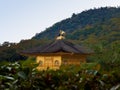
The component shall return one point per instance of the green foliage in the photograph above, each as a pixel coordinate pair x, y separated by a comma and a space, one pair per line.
13, 76
99, 22
12, 52
107, 56
28, 62
9, 53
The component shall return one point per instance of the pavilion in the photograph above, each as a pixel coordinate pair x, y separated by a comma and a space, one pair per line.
59, 52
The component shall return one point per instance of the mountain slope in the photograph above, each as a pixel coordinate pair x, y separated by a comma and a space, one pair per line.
98, 29
98, 22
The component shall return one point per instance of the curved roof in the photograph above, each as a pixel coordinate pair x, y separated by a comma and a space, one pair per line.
59, 46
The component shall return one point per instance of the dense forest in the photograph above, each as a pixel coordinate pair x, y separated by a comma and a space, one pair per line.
97, 22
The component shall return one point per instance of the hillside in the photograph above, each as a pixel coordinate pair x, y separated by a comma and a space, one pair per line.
101, 23
98, 29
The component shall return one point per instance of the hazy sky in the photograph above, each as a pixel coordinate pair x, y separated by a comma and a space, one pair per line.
22, 19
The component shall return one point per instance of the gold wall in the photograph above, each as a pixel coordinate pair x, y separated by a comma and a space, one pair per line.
51, 62
54, 62
73, 60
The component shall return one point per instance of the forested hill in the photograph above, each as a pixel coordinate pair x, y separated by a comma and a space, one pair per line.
102, 23
98, 29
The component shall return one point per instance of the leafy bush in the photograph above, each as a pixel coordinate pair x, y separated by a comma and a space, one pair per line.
14, 76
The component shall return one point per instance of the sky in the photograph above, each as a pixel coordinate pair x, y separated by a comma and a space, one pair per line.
22, 19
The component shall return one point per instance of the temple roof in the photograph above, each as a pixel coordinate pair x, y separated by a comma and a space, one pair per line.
59, 46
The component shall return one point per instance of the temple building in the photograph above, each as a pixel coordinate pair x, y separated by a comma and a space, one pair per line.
59, 52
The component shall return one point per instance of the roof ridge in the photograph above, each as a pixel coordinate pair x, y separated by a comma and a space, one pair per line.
72, 45
60, 45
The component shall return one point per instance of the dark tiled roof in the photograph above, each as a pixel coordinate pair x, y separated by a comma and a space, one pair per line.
59, 46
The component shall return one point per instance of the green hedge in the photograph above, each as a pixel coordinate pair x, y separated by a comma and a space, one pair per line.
14, 76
